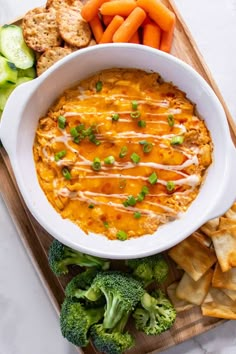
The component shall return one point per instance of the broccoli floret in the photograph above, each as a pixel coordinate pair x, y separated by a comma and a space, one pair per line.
61, 256
122, 294
76, 320
112, 341
149, 269
155, 315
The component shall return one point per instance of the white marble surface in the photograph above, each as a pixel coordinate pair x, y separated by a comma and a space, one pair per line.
28, 323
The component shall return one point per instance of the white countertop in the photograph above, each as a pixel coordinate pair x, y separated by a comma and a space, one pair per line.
28, 323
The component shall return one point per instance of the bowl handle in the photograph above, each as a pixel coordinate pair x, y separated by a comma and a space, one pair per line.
11, 115
225, 202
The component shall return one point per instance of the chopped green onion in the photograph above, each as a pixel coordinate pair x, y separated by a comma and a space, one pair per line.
91, 206
170, 186
147, 147
122, 184
109, 160
80, 127
143, 142
140, 197
145, 190
134, 104
142, 123
59, 155
136, 114
152, 178
106, 224
115, 117
131, 200
98, 86
96, 165
74, 132
142, 194
66, 173
93, 140
123, 151
137, 215
76, 140
135, 157
171, 120
177, 140
61, 122
125, 203
121, 235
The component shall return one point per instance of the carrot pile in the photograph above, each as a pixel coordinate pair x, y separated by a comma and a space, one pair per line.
147, 22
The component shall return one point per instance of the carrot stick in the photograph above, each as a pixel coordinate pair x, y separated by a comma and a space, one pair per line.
107, 19
167, 39
118, 7
158, 12
135, 38
111, 29
96, 28
130, 25
152, 35
90, 9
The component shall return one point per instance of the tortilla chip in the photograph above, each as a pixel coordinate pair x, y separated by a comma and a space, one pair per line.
224, 280
230, 293
193, 256
210, 226
194, 291
179, 305
218, 304
226, 223
225, 247
231, 213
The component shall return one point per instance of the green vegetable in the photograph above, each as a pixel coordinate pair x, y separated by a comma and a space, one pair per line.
8, 73
6, 91
152, 179
96, 165
177, 140
61, 121
123, 151
137, 215
66, 173
121, 235
170, 186
155, 315
80, 283
142, 123
135, 157
149, 269
142, 194
147, 147
61, 256
99, 86
14, 48
171, 120
91, 206
76, 320
74, 133
134, 105
30, 72
130, 201
115, 117
135, 115
59, 155
109, 160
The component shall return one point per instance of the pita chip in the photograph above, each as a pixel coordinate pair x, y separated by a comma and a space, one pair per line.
180, 305
225, 247
224, 280
210, 226
218, 304
231, 213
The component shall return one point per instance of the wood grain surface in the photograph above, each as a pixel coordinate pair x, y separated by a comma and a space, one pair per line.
36, 240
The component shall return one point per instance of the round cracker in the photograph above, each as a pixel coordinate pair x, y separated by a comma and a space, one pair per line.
56, 4
72, 27
50, 57
40, 30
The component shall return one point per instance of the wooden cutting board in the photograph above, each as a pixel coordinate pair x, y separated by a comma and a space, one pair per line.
36, 240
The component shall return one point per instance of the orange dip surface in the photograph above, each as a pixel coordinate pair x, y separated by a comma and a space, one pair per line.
122, 153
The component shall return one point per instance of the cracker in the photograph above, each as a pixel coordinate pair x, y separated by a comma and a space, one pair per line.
72, 27
210, 226
224, 280
225, 247
40, 30
56, 4
194, 291
218, 304
231, 213
49, 57
193, 256
179, 305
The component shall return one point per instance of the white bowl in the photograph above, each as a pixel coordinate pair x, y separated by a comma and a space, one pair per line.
31, 100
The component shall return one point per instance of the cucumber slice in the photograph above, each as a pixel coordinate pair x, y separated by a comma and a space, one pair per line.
8, 72
14, 48
31, 72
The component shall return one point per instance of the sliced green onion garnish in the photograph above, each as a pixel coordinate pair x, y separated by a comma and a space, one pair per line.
121, 235
145, 190
142, 194
66, 173
135, 115
96, 165
140, 197
91, 206
131, 200
115, 117
80, 127
123, 151
93, 140
171, 120
135, 157
177, 140
76, 140
170, 186
147, 147
134, 104
106, 224
142, 123
152, 178
109, 160
61, 122
59, 155
122, 184
98, 86
143, 142
74, 132
137, 215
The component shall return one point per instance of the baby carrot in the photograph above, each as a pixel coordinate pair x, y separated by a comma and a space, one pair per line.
90, 9
135, 38
96, 28
130, 25
111, 29
118, 7
167, 39
158, 12
107, 19
152, 35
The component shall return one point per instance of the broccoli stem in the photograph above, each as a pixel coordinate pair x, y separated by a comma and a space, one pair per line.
114, 312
